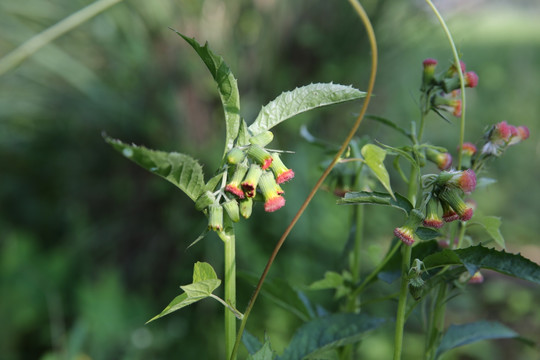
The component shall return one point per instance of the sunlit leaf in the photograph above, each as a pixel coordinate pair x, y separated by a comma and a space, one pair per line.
492, 226
377, 198
329, 332
180, 169
374, 159
477, 257
227, 86
299, 100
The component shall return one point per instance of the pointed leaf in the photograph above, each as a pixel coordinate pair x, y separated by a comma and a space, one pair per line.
332, 280
329, 332
213, 182
377, 198
181, 170
299, 100
203, 271
476, 257
201, 289
389, 123
251, 342
459, 335
264, 353
492, 226
227, 86
374, 159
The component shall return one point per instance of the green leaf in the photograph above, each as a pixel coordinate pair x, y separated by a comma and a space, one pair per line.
213, 182
204, 283
492, 226
181, 170
332, 280
459, 335
227, 86
389, 123
374, 159
328, 332
476, 257
427, 233
264, 353
299, 100
377, 198
251, 342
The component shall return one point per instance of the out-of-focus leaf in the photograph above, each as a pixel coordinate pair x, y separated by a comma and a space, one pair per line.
427, 233
204, 283
227, 86
322, 334
388, 123
377, 198
299, 100
459, 335
492, 225
264, 353
374, 159
332, 280
251, 342
477, 257
180, 169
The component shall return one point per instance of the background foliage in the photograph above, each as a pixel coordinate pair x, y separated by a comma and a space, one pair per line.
92, 246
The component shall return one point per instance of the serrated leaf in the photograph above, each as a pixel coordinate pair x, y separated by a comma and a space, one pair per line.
377, 198
477, 257
227, 86
459, 335
180, 169
251, 342
329, 332
492, 225
374, 159
299, 100
204, 283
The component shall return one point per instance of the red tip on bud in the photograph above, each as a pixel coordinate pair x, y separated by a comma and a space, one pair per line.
467, 181
467, 214
266, 164
456, 105
286, 176
433, 223
405, 235
502, 131
235, 190
274, 203
523, 132
471, 79
468, 149
477, 278
429, 62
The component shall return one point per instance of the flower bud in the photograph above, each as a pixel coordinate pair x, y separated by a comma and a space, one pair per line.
471, 79
234, 185
468, 149
272, 200
432, 219
452, 198
215, 217
477, 278
204, 200
464, 180
442, 160
235, 156
262, 139
246, 207
447, 104
281, 172
452, 70
252, 179
449, 214
406, 232
518, 134
429, 72
261, 156
231, 207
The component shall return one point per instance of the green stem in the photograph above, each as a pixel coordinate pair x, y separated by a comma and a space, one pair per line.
437, 326
461, 79
374, 59
35, 43
230, 295
402, 304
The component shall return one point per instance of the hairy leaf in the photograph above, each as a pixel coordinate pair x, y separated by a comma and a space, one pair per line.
299, 100
377, 198
476, 257
227, 86
492, 226
181, 170
374, 159
328, 332
459, 335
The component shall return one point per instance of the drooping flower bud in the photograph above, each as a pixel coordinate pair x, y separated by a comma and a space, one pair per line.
477, 278
204, 200
215, 217
471, 79
518, 134
447, 104
281, 172
433, 219
449, 214
252, 179
429, 72
246, 207
231, 208
406, 232
452, 198
235, 156
441, 159
464, 180
261, 156
234, 185
262, 139
272, 200
468, 149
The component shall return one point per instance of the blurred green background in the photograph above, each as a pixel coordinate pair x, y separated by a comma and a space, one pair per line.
92, 246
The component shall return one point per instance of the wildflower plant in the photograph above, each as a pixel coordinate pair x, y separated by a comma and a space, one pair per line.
437, 207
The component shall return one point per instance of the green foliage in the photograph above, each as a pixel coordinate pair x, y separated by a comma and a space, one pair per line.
377, 198
205, 281
299, 100
374, 159
333, 280
179, 169
491, 225
477, 257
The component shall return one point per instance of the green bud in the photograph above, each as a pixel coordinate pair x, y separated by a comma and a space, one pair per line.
215, 217
246, 206
261, 156
235, 156
231, 207
204, 200
262, 139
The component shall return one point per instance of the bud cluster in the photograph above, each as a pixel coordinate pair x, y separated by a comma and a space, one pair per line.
499, 136
252, 173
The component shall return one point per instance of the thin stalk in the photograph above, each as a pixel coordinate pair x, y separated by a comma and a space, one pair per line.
374, 58
437, 325
461, 79
230, 295
36, 42
402, 304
